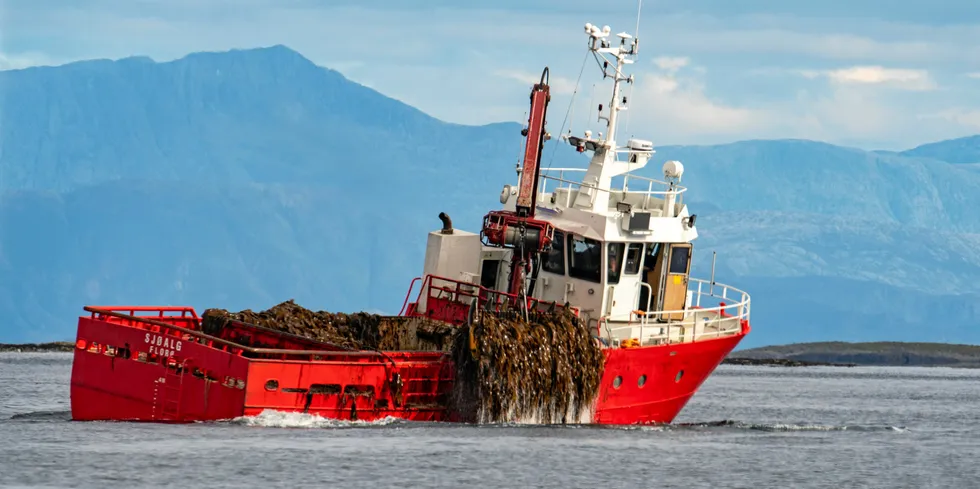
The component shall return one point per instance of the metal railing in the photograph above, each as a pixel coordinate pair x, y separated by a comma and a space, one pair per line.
117, 315
466, 294
560, 182
698, 322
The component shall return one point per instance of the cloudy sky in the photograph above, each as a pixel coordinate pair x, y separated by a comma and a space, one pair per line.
878, 74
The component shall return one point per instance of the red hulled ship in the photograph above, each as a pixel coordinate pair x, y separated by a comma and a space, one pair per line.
620, 256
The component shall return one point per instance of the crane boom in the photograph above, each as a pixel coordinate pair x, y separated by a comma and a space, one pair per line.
527, 195
518, 229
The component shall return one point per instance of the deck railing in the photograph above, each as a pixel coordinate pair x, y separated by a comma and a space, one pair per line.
450, 300
653, 186
163, 323
703, 320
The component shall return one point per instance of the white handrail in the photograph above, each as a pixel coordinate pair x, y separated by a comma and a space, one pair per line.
545, 176
713, 321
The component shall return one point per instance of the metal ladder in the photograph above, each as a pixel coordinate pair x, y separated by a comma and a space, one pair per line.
172, 388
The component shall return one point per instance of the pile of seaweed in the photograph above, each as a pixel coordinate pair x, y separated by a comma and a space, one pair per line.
544, 369
356, 331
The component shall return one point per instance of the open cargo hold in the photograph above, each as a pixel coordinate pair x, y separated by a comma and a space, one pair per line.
499, 367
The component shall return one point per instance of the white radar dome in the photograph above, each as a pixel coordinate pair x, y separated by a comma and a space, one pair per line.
673, 169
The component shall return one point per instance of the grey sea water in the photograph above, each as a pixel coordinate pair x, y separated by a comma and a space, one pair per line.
749, 427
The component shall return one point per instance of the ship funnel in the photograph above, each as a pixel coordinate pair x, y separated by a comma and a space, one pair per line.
447, 223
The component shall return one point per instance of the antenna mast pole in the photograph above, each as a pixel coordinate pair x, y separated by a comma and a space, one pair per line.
600, 46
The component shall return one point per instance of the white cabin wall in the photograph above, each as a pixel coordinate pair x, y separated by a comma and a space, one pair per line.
453, 256
550, 287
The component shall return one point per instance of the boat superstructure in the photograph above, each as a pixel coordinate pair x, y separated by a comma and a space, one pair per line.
614, 246
621, 254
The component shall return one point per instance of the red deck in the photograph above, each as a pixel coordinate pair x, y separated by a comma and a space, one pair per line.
155, 364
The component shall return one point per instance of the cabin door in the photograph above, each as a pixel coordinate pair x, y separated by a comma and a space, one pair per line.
675, 286
653, 274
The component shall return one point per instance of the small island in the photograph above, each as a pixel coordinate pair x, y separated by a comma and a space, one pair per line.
880, 354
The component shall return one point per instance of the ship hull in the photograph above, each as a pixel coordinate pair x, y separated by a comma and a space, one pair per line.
124, 387
656, 382
135, 372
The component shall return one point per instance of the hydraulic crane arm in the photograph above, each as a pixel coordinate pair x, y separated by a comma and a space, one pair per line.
527, 195
519, 230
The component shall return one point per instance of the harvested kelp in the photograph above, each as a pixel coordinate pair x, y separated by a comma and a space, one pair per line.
355, 331
545, 369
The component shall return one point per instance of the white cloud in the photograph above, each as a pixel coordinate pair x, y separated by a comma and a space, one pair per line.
671, 64
678, 108
11, 61
967, 118
671, 107
906, 79
680, 112
877, 75
557, 84
974, 75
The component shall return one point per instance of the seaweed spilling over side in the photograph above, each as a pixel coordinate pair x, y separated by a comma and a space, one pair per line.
356, 331
542, 369
545, 370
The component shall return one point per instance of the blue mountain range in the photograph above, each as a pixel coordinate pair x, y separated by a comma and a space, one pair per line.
245, 178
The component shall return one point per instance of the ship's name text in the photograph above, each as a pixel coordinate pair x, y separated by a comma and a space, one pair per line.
162, 345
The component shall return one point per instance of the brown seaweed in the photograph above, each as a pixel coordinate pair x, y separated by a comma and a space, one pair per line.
356, 331
546, 368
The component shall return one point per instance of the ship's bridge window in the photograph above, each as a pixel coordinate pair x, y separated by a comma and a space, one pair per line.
614, 261
584, 258
633, 256
554, 259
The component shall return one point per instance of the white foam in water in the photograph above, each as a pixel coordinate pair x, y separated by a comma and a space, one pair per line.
282, 419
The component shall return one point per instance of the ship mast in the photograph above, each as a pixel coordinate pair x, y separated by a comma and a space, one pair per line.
604, 166
599, 46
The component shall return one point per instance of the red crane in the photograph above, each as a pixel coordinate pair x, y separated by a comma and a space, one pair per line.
518, 229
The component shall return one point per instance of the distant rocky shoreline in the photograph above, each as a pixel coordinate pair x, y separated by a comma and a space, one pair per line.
56, 346
829, 354
781, 362
876, 354
64, 346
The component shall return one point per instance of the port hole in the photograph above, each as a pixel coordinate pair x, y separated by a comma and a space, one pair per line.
641, 381
617, 382
679, 375
272, 385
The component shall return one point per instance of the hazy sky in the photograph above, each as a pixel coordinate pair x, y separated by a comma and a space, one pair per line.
875, 74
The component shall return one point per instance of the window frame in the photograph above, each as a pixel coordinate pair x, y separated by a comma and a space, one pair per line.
594, 276
637, 262
620, 248
558, 241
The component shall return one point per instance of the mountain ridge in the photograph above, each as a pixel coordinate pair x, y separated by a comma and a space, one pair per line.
240, 179
964, 150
